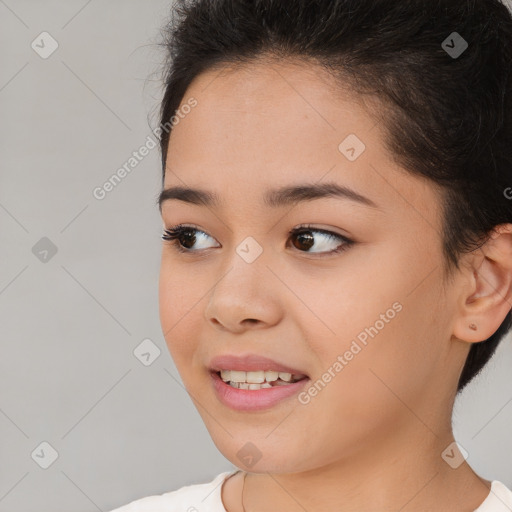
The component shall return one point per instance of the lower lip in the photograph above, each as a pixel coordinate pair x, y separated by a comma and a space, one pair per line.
254, 399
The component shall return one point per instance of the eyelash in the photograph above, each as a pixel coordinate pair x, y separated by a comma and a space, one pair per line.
174, 233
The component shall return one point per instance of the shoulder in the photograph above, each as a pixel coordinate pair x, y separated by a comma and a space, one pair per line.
498, 500
205, 497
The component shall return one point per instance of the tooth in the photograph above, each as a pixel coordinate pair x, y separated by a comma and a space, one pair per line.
256, 377
271, 376
246, 385
225, 375
237, 376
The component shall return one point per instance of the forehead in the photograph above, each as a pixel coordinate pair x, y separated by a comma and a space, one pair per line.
273, 95
270, 114
274, 123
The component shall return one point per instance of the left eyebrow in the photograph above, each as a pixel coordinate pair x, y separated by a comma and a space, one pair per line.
275, 198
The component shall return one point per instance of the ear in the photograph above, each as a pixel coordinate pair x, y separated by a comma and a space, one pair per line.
487, 298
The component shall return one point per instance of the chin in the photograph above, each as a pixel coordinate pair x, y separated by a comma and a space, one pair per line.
252, 451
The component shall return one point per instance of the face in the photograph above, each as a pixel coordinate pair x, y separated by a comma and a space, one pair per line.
356, 300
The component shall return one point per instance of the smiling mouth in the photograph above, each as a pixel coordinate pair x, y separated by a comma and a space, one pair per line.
258, 379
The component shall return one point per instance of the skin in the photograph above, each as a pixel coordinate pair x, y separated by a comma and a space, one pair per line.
372, 439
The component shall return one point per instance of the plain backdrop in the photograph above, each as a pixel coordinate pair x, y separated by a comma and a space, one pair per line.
78, 275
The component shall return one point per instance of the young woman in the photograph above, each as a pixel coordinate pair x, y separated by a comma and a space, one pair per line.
337, 257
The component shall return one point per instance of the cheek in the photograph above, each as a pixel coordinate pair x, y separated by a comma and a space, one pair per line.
179, 307
389, 345
180, 291
360, 404
349, 296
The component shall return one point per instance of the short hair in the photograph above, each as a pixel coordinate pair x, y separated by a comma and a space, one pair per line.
446, 108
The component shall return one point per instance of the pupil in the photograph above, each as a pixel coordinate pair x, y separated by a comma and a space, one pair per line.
309, 239
189, 238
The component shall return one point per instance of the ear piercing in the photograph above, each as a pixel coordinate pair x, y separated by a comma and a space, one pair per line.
472, 326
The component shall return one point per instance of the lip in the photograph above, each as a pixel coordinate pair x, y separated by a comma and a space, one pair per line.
246, 400
252, 399
250, 363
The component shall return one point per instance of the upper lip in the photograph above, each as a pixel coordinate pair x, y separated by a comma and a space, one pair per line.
250, 362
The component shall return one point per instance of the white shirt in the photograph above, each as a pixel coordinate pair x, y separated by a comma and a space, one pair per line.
207, 498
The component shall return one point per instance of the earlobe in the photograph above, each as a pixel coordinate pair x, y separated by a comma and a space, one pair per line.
490, 297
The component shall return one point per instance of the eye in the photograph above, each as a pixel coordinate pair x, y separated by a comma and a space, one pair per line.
306, 240
184, 237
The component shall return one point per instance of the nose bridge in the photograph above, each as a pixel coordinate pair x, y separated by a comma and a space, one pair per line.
243, 290
246, 268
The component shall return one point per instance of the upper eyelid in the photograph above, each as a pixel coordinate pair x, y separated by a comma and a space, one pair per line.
299, 228
314, 228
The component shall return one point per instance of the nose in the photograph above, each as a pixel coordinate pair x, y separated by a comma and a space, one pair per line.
245, 296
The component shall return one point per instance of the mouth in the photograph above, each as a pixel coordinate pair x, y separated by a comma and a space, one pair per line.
259, 379
256, 396
253, 382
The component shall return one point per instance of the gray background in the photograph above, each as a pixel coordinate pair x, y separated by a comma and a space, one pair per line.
70, 324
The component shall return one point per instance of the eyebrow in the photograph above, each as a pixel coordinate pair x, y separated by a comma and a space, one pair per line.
284, 196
